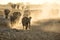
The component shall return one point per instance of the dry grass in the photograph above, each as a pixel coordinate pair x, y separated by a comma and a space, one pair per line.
36, 32
44, 30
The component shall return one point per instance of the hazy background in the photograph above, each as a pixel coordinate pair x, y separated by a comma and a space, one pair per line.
45, 23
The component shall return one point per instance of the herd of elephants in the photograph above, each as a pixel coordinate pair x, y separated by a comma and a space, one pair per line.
26, 21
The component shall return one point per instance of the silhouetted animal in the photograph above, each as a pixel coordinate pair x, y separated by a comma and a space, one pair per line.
13, 6
17, 6
15, 17
26, 22
6, 11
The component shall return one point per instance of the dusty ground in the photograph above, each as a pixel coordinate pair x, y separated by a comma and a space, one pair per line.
47, 30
